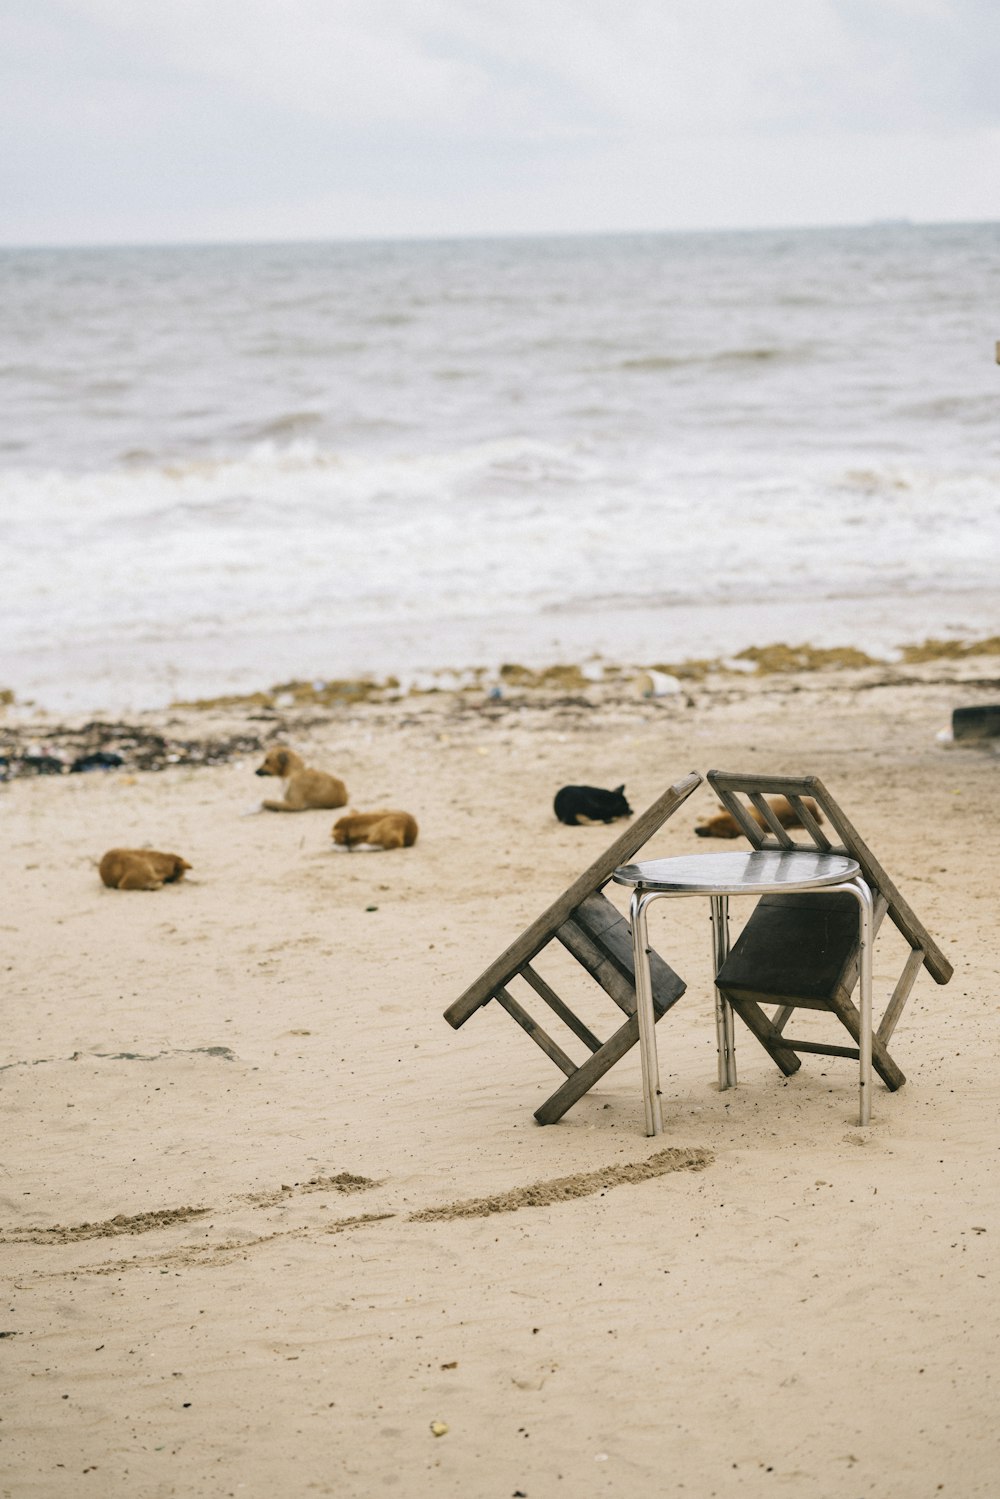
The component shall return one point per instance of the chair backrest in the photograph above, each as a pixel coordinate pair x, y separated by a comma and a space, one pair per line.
731, 787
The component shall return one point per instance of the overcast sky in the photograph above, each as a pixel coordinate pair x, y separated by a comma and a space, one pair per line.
134, 121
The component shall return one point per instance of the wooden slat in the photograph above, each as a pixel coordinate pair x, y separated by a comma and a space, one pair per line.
598, 916
782, 1016
558, 1007
598, 965
900, 911
773, 1042
892, 1075
809, 822
766, 811
587, 1074
726, 780
821, 1050
900, 995
534, 1030
607, 928
543, 929
771, 997
751, 830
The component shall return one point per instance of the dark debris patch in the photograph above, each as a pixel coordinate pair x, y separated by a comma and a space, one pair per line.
102, 746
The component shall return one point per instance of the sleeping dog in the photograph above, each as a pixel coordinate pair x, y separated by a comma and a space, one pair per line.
140, 869
589, 804
371, 830
724, 824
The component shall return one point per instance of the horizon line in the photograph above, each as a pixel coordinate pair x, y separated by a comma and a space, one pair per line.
264, 241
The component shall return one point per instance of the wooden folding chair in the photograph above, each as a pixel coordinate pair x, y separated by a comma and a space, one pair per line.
589, 927
801, 951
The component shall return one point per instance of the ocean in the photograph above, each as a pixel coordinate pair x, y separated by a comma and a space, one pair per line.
223, 467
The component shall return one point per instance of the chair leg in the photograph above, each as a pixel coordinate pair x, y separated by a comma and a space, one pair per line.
759, 1025
587, 1074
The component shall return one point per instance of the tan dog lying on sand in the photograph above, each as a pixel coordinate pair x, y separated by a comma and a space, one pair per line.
724, 824
140, 868
304, 788
375, 830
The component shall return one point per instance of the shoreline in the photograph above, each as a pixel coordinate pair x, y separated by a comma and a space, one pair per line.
215, 731
134, 673
593, 670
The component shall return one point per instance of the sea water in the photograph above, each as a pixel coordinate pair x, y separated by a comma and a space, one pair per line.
225, 466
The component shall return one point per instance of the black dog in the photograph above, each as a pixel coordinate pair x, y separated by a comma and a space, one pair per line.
589, 804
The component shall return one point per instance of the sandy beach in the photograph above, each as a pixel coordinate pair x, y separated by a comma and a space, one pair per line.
243, 1232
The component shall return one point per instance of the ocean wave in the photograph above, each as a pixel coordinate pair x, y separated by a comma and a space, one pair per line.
651, 363
719, 359
472, 531
600, 481
279, 428
973, 410
284, 485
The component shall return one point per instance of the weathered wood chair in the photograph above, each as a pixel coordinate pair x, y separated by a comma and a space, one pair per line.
589, 927
801, 951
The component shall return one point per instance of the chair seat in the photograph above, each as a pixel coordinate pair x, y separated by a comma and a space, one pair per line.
798, 950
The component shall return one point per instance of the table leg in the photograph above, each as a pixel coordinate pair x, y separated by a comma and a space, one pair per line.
644, 1012
866, 937
724, 1028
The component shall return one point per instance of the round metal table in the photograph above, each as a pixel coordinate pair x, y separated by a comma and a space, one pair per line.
760, 872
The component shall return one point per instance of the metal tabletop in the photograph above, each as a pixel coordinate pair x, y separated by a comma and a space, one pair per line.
756, 873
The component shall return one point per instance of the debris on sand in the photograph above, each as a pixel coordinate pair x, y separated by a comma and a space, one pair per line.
103, 746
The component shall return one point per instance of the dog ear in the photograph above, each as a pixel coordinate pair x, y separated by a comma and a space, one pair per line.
620, 790
281, 761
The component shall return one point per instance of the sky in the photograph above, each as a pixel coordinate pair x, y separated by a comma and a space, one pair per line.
128, 121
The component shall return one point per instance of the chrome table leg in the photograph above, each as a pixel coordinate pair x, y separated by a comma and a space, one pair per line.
724, 1028
644, 1011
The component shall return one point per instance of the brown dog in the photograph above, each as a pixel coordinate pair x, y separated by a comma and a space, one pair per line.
304, 788
375, 830
724, 824
140, 869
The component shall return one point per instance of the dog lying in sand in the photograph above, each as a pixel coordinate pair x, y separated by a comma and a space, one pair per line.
140, 869
583, 806
724, 824
304, 788
371, 830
